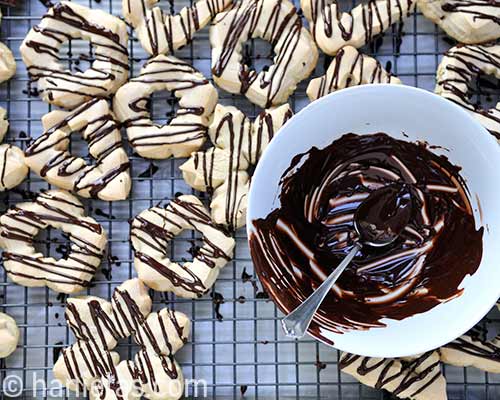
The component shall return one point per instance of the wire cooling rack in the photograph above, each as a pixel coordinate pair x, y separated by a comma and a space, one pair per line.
236, 343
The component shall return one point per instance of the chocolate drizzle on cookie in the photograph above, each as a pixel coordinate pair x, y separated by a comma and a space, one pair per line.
406, 378
65, 21
472, 7
297, 245
98, 326
459, 67
49, 157
21, 223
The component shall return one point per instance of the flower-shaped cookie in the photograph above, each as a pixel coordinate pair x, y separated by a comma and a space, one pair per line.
333, 29
417, 378
456, 72
349, 68
275, 21
49, 156
152, 230
61, 210
98, 325
68, 20
186, 132
222, 170
161, 33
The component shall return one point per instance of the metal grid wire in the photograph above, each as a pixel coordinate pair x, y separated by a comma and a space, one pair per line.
236, 346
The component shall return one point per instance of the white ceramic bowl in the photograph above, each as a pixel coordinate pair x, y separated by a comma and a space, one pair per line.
420, 115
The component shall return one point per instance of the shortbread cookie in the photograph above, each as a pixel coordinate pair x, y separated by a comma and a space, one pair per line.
222, 170
68, 20
4, 123
333, 30
153, 229
275, 21
349, 68
7, 63
99, 324
467, 21
470, 350
49, 156
187, 130
416, 378
13, 168
459, 67
60, 210
161, 33
9, 335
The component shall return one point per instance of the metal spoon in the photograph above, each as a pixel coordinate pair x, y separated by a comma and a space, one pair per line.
379, 220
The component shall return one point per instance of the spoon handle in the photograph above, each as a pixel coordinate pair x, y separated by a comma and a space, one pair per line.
296, 323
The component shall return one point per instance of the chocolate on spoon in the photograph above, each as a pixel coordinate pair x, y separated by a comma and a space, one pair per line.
379, 220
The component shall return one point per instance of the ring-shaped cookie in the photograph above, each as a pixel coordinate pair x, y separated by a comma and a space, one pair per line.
458, 68
223, 170
68, 20
153, 229
186, 132
13, 168
349, 68
161, 33
275, 21
9, 335
333, 30
60, 210
49, 155
467, 21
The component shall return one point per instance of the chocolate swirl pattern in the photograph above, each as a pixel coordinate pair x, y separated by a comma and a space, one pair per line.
472, 350
275, 21
161, 33
13, 168
65, 21
60, 210
222, 170
153, 229
297, 245
186, 132
333, 30
467, 21
9, 335
108, 178
98, 325
416, 378
458, 68
349, 68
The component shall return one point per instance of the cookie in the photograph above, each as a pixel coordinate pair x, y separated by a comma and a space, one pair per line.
187, 130
67, 20
162, 33
275, 21
460, 66
98, 325
7, 63
108, 178
60, 210
9, 335
466, 21
153, 229
417, 378
13, 168
472, 350
333, 29
222, 170
4, 123
349, 68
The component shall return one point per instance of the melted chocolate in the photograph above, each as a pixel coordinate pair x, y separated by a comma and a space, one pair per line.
299, 244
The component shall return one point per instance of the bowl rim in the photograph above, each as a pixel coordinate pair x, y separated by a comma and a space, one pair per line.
481, 312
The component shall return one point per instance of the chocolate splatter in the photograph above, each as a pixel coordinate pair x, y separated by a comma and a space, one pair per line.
149, 172
217, 300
